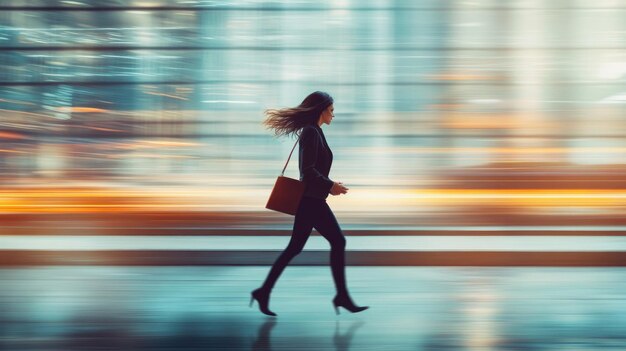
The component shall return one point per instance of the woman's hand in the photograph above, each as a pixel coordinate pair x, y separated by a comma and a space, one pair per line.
338, 189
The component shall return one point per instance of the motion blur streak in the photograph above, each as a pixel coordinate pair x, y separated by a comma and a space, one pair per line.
492, 131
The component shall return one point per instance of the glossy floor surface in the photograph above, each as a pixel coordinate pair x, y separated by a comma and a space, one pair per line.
412, 308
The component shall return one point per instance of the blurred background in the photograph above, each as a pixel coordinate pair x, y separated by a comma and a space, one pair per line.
456, 113
470, 133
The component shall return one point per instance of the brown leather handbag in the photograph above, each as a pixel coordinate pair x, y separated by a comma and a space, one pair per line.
287, 192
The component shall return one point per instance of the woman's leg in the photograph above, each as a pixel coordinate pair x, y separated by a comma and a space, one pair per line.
302, 227
327, 225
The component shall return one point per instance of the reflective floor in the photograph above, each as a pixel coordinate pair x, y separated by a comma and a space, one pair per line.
412, 308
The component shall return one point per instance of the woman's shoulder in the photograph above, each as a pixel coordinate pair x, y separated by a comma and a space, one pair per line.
308, 131
309, 127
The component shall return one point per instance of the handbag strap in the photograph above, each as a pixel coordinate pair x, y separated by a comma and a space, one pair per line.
294, 147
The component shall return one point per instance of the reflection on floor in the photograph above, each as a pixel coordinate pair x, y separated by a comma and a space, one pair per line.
411, 308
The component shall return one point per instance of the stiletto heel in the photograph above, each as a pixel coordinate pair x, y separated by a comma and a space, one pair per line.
346, 302
263, 298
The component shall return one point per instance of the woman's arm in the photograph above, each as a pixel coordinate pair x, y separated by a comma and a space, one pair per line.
309, 142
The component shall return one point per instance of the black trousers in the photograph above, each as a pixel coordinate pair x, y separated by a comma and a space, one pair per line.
313, 213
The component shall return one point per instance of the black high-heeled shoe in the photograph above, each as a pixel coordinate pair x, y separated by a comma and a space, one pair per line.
346, 302
263, 299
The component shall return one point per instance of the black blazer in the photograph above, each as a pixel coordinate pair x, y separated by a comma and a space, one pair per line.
315, 161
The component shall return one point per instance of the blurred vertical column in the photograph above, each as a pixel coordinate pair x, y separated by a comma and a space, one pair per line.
530, 49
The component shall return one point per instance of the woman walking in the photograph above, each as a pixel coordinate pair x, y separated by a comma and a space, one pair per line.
313, 211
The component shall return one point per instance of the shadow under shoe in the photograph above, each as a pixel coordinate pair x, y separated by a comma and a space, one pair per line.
263, 299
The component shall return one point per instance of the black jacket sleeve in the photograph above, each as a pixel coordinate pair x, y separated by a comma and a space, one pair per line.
309, 144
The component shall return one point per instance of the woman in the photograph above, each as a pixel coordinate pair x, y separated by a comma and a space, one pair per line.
313, 211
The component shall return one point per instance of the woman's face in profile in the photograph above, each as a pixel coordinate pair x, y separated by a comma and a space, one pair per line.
327, 115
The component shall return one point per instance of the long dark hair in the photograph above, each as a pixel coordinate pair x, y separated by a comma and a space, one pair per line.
290, 120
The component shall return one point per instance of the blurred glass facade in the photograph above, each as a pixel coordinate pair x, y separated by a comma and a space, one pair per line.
486, 112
